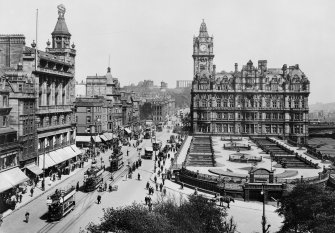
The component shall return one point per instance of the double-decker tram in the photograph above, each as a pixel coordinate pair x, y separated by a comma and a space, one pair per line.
61, 203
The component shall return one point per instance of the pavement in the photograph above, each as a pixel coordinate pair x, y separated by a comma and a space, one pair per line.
246, 214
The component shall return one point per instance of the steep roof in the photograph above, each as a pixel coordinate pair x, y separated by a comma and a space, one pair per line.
61, 28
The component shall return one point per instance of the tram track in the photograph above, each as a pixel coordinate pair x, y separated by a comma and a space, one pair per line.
86, 200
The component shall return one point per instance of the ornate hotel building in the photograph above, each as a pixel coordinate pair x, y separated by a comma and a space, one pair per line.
253, 101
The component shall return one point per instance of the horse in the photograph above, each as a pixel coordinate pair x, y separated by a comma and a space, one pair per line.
226, 199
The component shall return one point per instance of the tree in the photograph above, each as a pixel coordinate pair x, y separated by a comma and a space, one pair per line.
195, 215
308, 208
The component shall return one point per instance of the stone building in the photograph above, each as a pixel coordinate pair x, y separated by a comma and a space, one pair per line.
42, 93
157, 109
253, 101
184, 84
10, 173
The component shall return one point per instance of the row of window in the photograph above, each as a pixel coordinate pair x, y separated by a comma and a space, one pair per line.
47, 121
7, 161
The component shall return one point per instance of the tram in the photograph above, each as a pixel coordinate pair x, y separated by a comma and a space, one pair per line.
61, 203
92, 178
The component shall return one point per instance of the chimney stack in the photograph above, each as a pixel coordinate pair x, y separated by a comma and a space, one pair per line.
236, 67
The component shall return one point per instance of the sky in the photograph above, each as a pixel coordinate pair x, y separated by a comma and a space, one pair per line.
153, 39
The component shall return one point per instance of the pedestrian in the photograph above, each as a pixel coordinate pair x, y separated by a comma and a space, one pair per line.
146, 200
150, 206
161, 187
77, 187
20, 197
163, 181
164, 191
27, 216
155, 179
17, 197
99, 199
127, 152
32, 191
148, 185
105, 187
156, 186
110, 187
139, 176
182, 186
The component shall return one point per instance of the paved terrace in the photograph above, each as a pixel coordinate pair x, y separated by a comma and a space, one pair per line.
241, 169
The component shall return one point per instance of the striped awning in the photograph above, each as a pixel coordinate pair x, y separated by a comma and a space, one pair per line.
10, 178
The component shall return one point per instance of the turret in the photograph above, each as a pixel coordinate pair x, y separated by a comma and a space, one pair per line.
61, 35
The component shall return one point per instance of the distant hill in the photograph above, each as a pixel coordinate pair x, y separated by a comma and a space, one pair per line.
328, 107
182, 97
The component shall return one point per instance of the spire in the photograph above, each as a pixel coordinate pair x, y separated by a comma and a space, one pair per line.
203, 29
61, 28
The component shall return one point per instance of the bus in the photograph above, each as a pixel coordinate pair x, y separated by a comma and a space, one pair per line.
61, 203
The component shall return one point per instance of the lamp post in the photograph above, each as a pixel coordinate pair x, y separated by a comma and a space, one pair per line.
43, 186
265, 229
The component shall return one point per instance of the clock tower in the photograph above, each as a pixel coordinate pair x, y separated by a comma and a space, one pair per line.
203, 53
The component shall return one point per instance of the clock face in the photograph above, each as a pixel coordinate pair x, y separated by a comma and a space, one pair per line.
203, 48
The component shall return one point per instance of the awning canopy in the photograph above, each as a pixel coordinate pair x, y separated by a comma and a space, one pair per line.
34, 169
48, 161
109, 136
56, 156
11, 178
67, 153
127, 130
96, 139
76, 150
83, 138
103, 137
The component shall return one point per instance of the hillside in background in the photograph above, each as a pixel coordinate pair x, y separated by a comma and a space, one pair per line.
327, 107
182, 97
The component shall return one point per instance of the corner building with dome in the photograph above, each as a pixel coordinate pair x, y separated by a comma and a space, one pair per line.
253, 101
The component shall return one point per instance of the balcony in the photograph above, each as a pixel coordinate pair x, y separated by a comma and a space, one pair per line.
54, 109
55, 72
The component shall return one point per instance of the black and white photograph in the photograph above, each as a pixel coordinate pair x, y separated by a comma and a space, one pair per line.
167, 116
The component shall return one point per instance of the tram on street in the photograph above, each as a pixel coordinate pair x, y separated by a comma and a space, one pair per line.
157, 145
61, 203
148, 152
93, 178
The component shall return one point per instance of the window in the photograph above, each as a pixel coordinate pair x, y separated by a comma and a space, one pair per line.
296, 104
88, 109
5, 101
218, 103
4, 120
274, 104
88, 119
225, 104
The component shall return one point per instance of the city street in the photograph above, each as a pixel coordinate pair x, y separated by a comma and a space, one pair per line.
87, 209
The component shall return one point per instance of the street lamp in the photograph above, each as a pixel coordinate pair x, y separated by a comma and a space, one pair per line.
265, 229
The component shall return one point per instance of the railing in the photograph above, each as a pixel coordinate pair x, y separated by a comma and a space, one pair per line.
53, 108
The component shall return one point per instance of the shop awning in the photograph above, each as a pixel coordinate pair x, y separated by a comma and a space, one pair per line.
109, 136
66, 153
56, 156
13, 176
96, 139
77, 151
34, 169
4, 184
48, 161
127, 130
83, 138
104, 138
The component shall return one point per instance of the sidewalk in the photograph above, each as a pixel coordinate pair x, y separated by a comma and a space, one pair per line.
27, 198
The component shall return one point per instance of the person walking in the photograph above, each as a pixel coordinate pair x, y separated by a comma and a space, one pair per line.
20, 197
148, 185
27, 216
164, 191
155, 179
139, 176
32, 191
77, 187
156, 186
150, 206
99, 199
161, 187
105, 186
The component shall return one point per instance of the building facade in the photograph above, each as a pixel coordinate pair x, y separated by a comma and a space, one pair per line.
184, 84
157, 109
42, 85
253, 101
